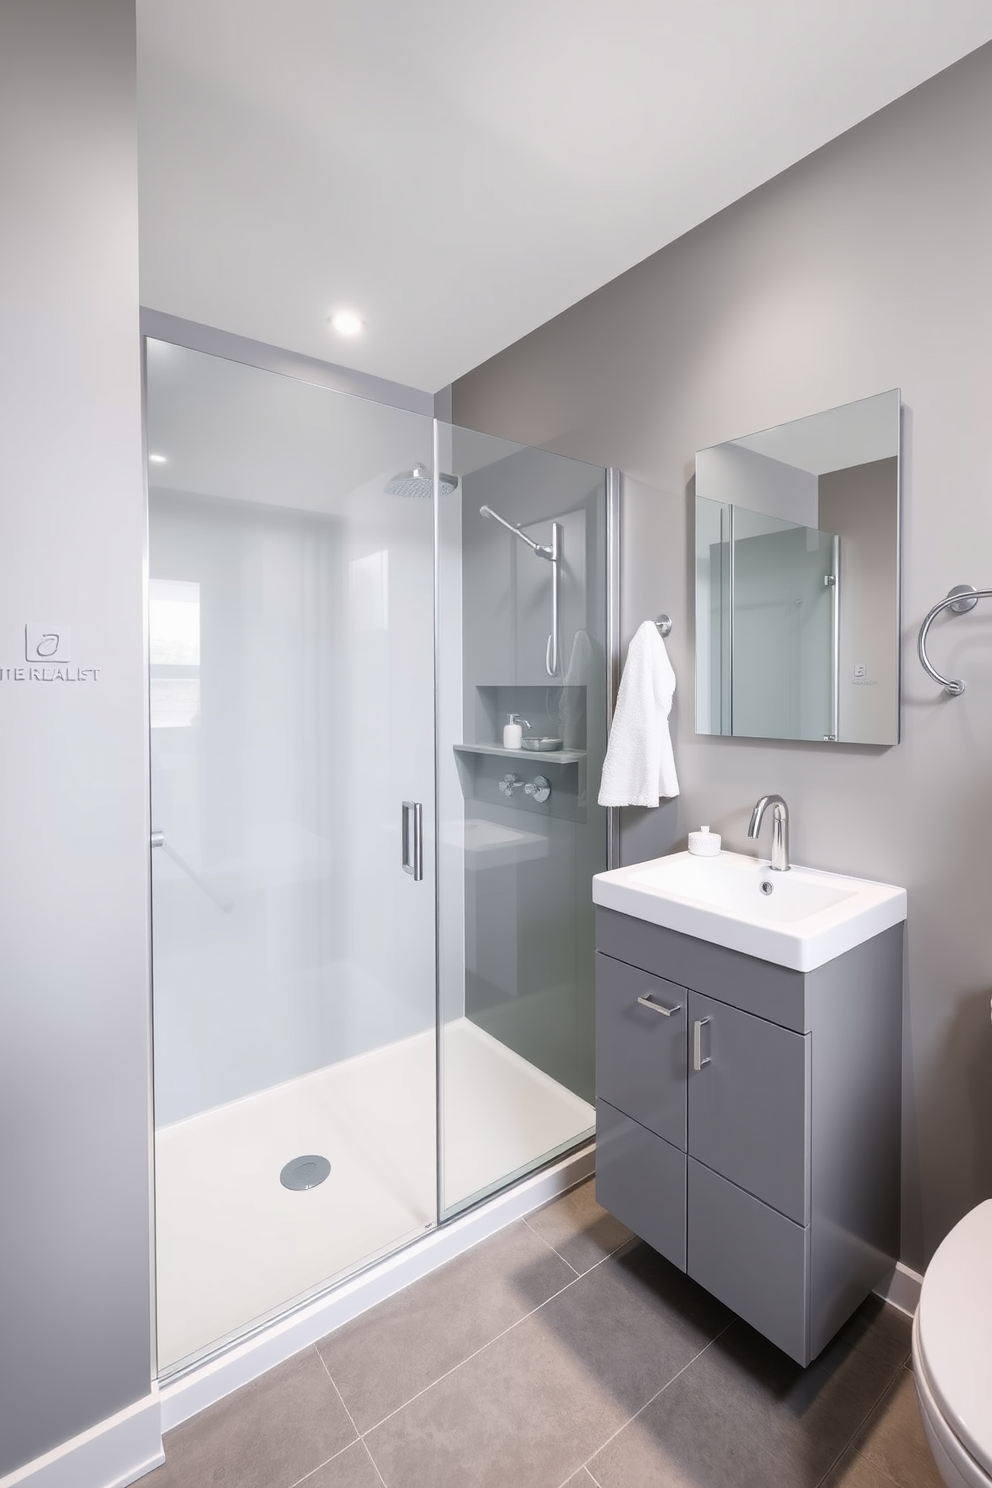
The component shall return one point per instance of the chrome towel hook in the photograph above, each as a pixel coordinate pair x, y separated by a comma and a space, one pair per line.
960, 599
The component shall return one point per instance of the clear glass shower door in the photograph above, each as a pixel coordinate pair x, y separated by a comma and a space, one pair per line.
291, 612
522, 612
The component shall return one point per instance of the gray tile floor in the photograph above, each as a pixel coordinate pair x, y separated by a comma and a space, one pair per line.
564, 1352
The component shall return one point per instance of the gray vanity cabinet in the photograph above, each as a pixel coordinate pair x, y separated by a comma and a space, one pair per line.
748, 1119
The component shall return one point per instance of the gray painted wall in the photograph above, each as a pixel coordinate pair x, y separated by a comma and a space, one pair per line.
862, 268
75, 1342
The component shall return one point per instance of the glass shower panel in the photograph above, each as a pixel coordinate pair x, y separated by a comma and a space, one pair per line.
783, 681
291, 659
520, 831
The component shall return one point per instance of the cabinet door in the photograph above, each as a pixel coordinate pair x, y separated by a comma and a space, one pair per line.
751, 1257
641, 1179
749, 1103
641, 1046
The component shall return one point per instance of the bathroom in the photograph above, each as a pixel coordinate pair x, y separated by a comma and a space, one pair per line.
861, 268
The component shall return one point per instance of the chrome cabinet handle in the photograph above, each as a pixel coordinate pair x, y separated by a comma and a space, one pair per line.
658, 1007
413, 839
697, 1045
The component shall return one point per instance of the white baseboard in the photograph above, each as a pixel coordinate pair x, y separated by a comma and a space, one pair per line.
901, 1288
111, 1454
218, 1377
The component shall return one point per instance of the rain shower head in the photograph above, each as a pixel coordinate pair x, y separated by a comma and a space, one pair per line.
419, 482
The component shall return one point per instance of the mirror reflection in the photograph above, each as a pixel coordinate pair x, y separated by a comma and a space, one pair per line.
797, 579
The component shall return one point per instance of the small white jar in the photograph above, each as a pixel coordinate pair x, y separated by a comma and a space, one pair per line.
704, 843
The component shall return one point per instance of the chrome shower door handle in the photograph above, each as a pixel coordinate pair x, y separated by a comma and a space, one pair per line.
413, 839
697, 1044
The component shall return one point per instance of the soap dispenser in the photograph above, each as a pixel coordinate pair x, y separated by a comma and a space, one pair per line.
513, 731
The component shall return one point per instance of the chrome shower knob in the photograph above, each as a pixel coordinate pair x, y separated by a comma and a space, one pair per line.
539, 788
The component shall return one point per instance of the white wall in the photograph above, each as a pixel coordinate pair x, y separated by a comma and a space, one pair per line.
862, 268
75, 1341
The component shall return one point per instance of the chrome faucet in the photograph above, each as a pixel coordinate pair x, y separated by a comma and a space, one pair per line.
780, 829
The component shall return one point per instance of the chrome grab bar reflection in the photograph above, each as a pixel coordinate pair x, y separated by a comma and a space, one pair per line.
158, 840
960, 599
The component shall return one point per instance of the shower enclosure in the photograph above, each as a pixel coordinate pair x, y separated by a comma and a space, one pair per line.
372, 923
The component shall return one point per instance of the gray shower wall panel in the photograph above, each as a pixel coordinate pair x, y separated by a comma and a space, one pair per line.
529, 930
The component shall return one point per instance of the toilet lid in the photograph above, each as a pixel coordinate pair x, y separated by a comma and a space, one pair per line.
955, 1331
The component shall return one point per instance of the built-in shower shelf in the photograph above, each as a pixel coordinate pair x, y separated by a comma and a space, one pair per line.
547, 756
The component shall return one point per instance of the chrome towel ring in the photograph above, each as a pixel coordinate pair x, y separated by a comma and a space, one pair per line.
960, 599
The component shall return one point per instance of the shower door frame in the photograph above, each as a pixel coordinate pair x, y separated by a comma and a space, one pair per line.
193, 336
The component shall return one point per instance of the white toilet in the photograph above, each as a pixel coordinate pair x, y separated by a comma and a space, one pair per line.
952, 1352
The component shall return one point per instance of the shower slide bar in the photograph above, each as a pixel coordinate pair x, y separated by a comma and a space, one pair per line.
553, 556
960, 599
158, 840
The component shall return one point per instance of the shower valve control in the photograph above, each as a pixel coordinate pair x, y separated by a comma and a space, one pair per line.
510, 783
539, 788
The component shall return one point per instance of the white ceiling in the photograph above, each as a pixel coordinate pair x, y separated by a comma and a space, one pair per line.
461, 172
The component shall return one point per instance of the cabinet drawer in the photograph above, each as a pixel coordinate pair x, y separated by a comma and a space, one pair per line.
641, 1179
749, 1103
641, 1052
751, 1257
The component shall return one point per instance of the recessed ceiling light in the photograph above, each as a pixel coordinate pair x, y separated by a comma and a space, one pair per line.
158, 459
347, 323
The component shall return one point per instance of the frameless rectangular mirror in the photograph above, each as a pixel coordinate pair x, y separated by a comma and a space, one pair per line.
797, 579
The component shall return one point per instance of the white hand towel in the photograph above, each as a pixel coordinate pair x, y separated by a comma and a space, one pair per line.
640, 766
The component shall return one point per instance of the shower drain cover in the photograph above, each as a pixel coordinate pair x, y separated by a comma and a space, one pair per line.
304, 1172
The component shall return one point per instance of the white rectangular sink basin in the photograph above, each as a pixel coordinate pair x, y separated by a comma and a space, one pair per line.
800, 918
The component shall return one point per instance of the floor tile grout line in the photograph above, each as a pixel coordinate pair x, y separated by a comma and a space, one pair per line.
323, 1365
553, 1249
849, 1444
624, 1424
333, 1458
375, 1465
354, 1426
875, 1467
482, 1348
347, 1446
658, 1393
